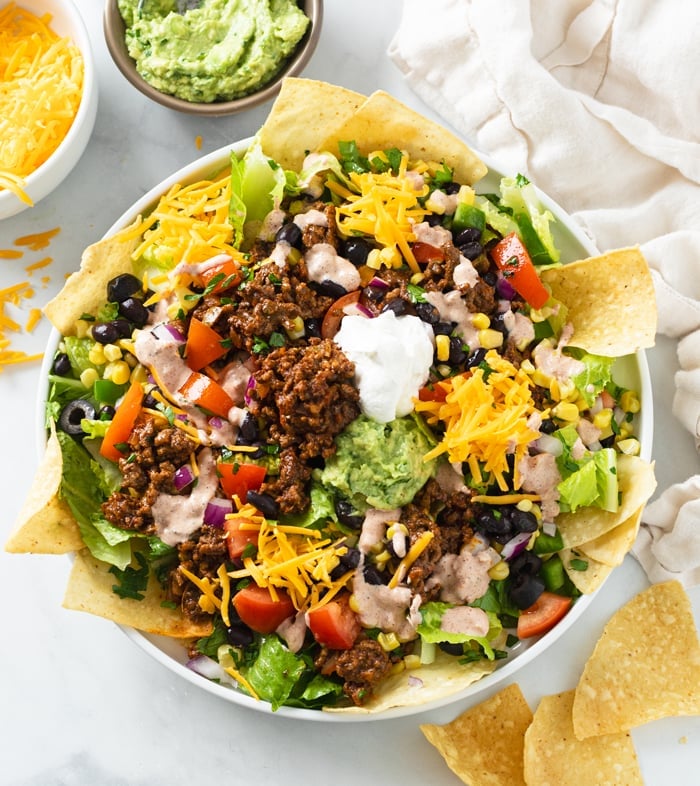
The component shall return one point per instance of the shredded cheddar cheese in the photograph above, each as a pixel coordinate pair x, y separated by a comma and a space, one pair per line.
485, 418
386, 207
41, 83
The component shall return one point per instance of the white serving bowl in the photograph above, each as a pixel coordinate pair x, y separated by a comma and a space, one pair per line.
66, 22
631, 371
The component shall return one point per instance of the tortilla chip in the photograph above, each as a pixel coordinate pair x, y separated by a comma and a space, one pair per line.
45, 524
589, 578
484, 745
610, 300
645, 666
302, 116
85, 290
553, 755
636, 481
383, 122
611, 547
90, 590
413, 687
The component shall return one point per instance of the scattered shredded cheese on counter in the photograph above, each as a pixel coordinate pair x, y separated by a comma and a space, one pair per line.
41, 83
485, 418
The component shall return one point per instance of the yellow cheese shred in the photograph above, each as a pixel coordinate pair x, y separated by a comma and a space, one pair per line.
485, 417
386, 207
41, 83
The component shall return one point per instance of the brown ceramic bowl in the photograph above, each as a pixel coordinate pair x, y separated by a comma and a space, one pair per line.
114, 37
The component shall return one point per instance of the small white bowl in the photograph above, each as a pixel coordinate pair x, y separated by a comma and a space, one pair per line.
67, 22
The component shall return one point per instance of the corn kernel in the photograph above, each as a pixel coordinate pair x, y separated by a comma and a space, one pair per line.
382, 558
442, 347
96, 355
398, 667
541, 379
388, 641
434, 206
353, 604
527, 366
629, 401
390, 257
603, 418
139, 374
490, 339
443, 370
629, 446
416, 278
112, 352
89, 377
625, 431
466, 195
480, 321
561, 391
565, 410
374, 260
412, 661
396, 528
82, 328
499, 571
296, 328
525, 505
118, 372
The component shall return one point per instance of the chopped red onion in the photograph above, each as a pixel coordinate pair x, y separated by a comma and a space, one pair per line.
168, 332
505, 288
216, 511
246, 396
549, 528
357, 309
183, 477
515, 545
216, 422
378, 283
210, 669
415, 682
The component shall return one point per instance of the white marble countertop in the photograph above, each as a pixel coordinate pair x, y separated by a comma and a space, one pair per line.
80, 705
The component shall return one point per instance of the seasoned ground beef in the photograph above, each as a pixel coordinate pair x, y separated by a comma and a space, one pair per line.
361, 668
307, 396
313, 233
288, 489
417, 522
148, 470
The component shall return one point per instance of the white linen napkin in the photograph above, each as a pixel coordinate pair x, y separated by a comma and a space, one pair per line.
597, 102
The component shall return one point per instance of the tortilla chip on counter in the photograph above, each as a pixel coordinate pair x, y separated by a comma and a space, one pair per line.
484, 745
610, 300
46, 524
645, 666
553, 754
85, 290
636, 481
301, 116
382, 119
90, 590
413, 687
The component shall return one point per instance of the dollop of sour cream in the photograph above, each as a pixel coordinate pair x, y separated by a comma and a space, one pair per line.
392, 357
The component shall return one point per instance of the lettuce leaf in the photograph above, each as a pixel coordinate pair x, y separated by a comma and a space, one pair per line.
431, 632
594, 378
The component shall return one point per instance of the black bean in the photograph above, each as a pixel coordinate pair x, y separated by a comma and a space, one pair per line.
492, 522
375, 294
312, 327
329, 288
356, 250
72, 414
526, 562
428, 313
239, 635
61, 365
451, 188
490, 277
433, 219
443, 328
347, 514
248, 432
450, 648
289, 233
150, 401
548, 426
122, 287
399, 306
471, 250
525, 589
372, 575
467, 235
458, 353
122, 326
475, 358
523, 521
348, 561
133, 309
264, 503
105, 333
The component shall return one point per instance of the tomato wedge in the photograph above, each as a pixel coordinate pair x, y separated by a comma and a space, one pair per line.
543, 615
222, 276
122, 423
335, 625
513, 260
240, 478
334, 315
237, 539
424, 253
203, 345
259, 610
208, 394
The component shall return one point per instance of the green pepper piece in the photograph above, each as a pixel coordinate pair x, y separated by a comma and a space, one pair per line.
105, 391
552, 572
468, 216
548, 544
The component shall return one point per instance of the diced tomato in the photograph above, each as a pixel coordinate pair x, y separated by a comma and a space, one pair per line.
237, 539
434, 392
334, 315
240, 478
206, 393
544, 614
259, 610
122, 423
225, 275
335, 625
424, 253
513, 260
203, 345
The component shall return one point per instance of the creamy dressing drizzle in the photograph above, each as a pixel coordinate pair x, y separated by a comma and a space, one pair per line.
468, 620
312, 218
197, 268
452, 308
177, 517
463, 577
323, 263
539, 475
374, 527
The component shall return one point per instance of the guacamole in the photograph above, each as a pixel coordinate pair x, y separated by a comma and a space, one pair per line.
212, 50
379, 465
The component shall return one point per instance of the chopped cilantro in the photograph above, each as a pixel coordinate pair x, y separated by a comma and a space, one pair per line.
132, 581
